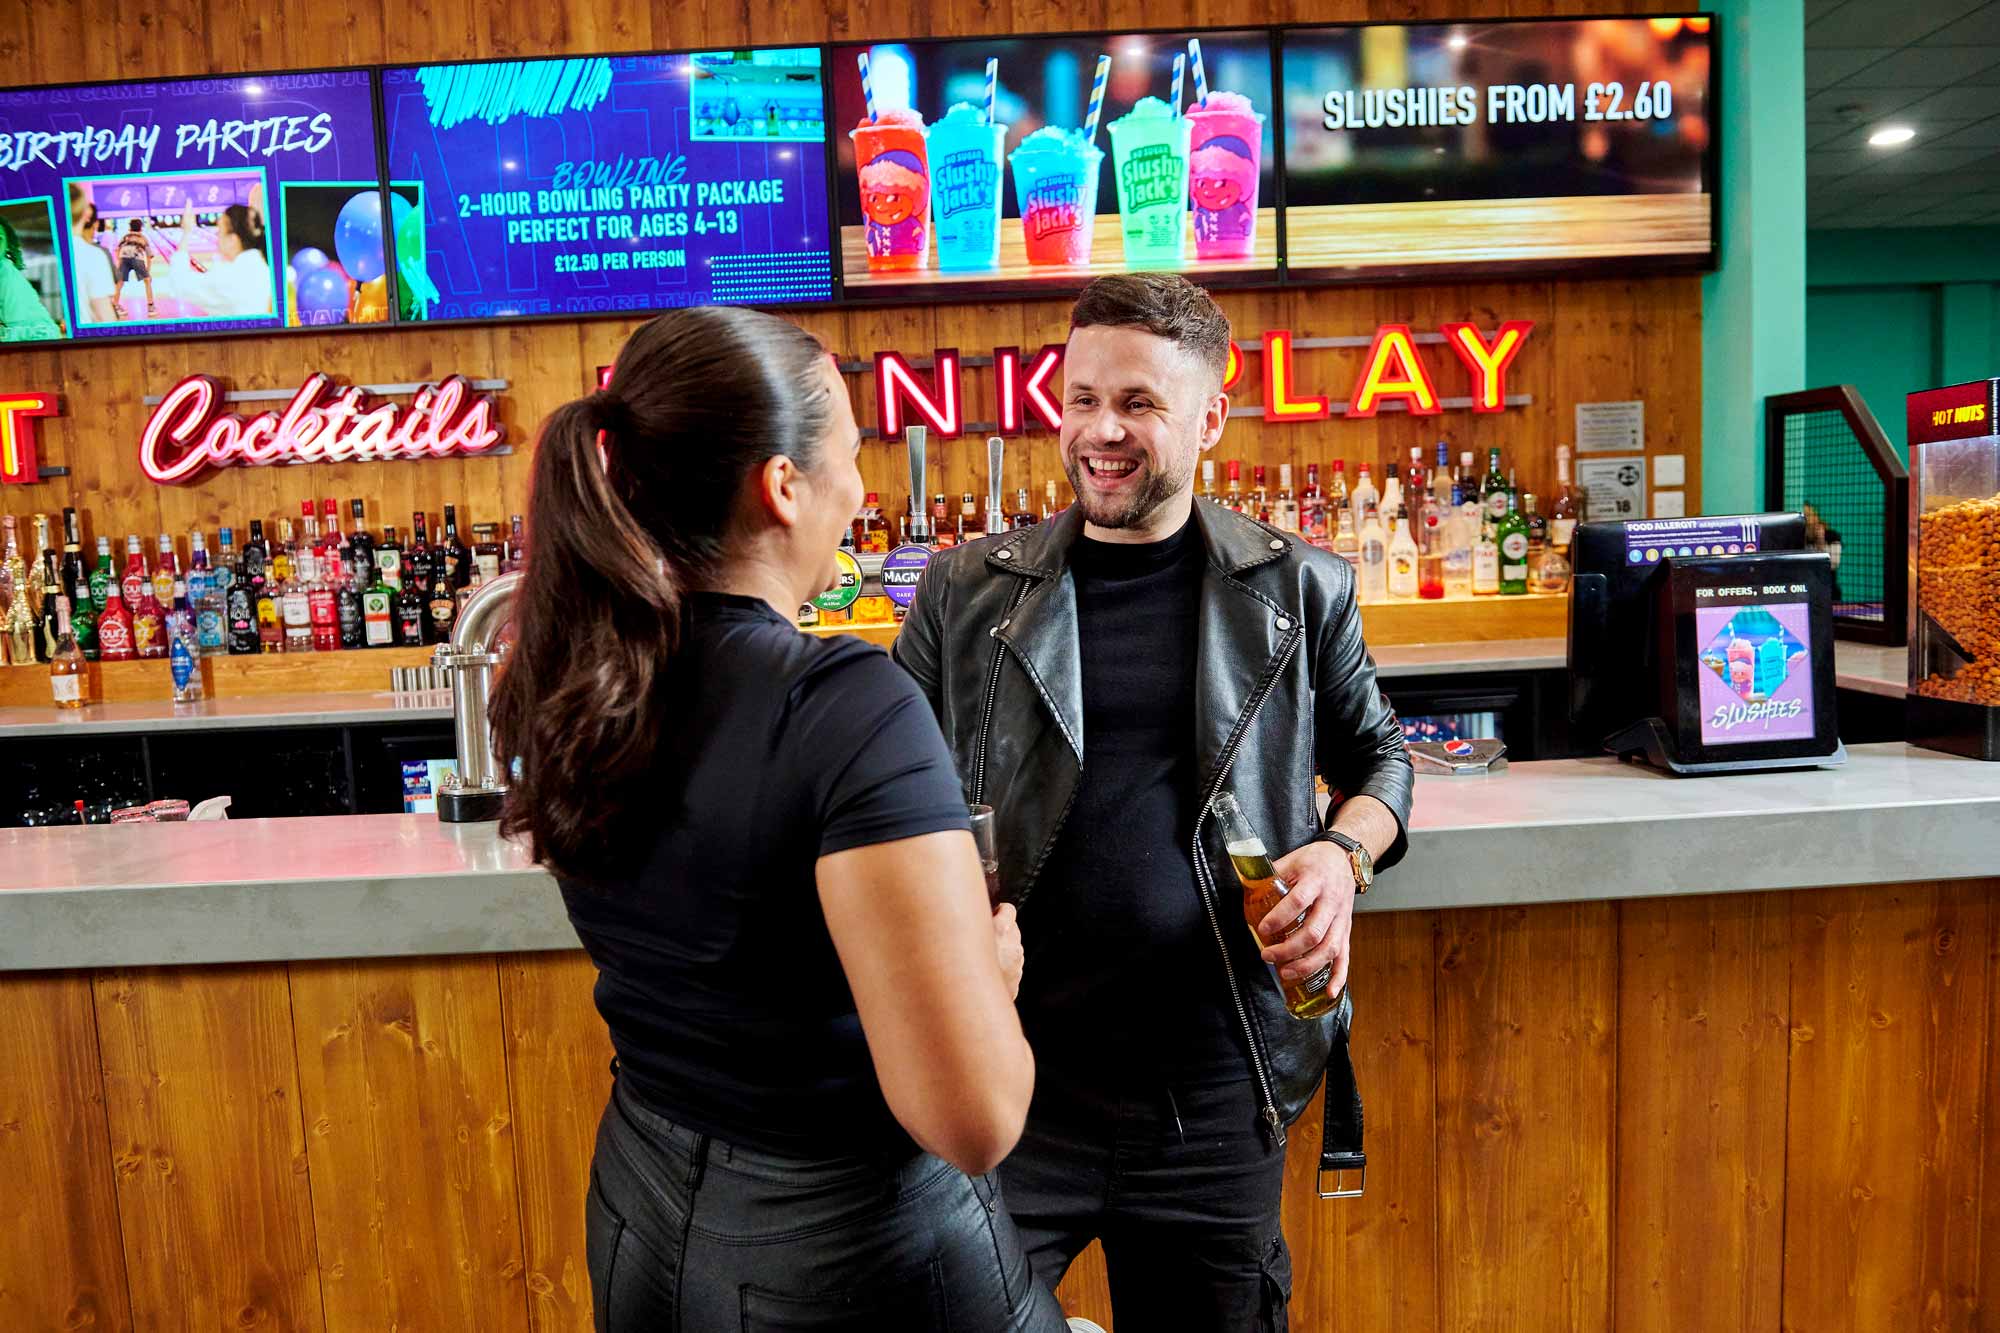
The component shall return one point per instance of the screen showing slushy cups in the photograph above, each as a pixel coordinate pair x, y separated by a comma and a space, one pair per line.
1044, 162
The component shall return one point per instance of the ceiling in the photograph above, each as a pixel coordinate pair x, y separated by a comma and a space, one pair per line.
1933, 65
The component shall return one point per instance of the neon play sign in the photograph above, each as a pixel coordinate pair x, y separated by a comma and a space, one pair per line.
20, 461
1394, 374
189, 432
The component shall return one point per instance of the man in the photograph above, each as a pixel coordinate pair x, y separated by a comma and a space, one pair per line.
1100, 677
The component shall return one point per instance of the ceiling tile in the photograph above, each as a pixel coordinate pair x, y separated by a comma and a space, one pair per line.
1931, 67
1826, 67
1816, 9
1870, 23
1964, 103
1979, 28
1979, 134
1835, 163
1865, 103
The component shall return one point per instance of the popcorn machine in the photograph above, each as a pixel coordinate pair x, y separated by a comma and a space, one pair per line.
1954, 690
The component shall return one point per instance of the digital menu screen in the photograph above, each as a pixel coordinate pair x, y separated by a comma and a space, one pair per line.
1756, 677
1008, 164
608, 183
161, 208
1453, 149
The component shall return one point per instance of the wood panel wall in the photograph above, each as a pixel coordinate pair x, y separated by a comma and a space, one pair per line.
1758, 1112
1599, 340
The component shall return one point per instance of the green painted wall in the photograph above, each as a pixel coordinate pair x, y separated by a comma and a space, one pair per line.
1882, 340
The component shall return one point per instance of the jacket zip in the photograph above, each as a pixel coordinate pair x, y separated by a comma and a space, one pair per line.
1272, 1124
992, 691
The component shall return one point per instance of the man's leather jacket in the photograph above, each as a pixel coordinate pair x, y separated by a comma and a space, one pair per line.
1285, 689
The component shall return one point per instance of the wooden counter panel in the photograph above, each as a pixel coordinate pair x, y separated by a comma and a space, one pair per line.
1758, 1111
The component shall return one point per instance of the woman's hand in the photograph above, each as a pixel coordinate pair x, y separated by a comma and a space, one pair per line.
1007, 942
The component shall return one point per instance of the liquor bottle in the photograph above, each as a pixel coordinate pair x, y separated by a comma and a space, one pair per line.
412, 615
349, 613
378, 624
456, 561
224, 570
211, 634
39, 583
515, 556
1465, 477
445, 575
323, 600
1461, 531
183, 654
389, 559
1432, 544
66, 677
1050, 508
417, 559
1374, 556
1312, 508
1402, 561
1566, 511
73, 571
1485, 558
240, 609
134, 581
942, 533
1262, 890
102, 579
1346, 538
47, 630
283, 554
295, 605
165, 571
1512, 535
1392, 496
1285, 509
872, 527
968, 517
1023, 516
1538, 529
149, 622
360, 547
1553, 572
1336, 492
1208, 479
485, 553
1232, 499
114, 624
1493, 491
331, 536
1260, 496
1441, 475
1364, 498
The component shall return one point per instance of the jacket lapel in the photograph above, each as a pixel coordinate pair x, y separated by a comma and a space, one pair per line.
1041, 630
1242, 634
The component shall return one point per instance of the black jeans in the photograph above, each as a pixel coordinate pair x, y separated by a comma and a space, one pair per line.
687, 1232
1180, 1183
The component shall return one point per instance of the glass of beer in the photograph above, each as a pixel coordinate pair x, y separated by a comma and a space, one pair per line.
1262, 889
989, 850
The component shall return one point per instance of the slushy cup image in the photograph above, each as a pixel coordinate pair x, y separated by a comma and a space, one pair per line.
1055, 183
1149, 159
1228, 150
965, 157
894, 168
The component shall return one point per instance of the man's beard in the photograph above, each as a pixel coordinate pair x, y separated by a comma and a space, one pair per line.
1131, 510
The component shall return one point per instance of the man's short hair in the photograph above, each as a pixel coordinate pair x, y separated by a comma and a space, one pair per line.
1165, 305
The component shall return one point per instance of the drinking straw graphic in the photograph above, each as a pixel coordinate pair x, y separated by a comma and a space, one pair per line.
1097, 97
992, 90
867, 88
1180, 71
1200, 72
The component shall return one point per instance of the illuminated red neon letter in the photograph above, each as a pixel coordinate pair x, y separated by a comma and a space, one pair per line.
20, 461
937, 403
1394, 370
1022, 390
1279, 405
1488, 364
1233, 376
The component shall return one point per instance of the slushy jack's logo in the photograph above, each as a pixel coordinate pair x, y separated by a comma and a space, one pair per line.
1731, 716
965, 182
1052, 208
1154, 175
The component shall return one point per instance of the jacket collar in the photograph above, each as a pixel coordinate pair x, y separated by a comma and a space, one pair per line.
1234, 543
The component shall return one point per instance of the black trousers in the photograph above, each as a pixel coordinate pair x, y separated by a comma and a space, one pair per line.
1180, 1183
686, 1232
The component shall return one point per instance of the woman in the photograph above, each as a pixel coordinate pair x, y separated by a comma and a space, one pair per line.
23, 317
238, 283
763, 846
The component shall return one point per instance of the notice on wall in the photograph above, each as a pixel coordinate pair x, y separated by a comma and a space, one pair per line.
1614, 488
1610, 428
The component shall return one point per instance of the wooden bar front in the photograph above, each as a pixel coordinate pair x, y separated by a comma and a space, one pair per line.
1755, 1112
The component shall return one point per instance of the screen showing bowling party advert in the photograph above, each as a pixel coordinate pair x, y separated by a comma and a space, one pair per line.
609, 183
1039, 163
1469, 149
1754, 655
147, 209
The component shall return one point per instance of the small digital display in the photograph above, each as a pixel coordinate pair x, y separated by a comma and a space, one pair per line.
1755, 664
421, 780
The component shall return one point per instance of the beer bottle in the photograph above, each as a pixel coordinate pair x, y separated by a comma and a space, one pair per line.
1306, 997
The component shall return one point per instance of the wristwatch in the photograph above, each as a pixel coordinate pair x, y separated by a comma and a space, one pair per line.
1358, 857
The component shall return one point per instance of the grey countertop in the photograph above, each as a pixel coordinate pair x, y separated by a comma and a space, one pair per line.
350, 708
1871, 669
386, 885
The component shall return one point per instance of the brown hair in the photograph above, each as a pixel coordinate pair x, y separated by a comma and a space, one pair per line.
1165, 305
618, 535
245, 225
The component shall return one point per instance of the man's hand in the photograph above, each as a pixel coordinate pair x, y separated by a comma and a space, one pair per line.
1322, 882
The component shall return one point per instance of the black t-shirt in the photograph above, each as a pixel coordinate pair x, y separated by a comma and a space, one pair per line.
726, 1001
1122, 965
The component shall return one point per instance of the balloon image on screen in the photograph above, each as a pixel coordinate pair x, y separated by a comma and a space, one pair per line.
601, 183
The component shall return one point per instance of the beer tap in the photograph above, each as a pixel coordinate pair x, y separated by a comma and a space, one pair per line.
478, 790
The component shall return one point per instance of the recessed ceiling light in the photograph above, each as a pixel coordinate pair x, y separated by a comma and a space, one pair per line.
1889, 136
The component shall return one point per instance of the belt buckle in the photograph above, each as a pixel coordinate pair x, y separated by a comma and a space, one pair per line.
1340, 1175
